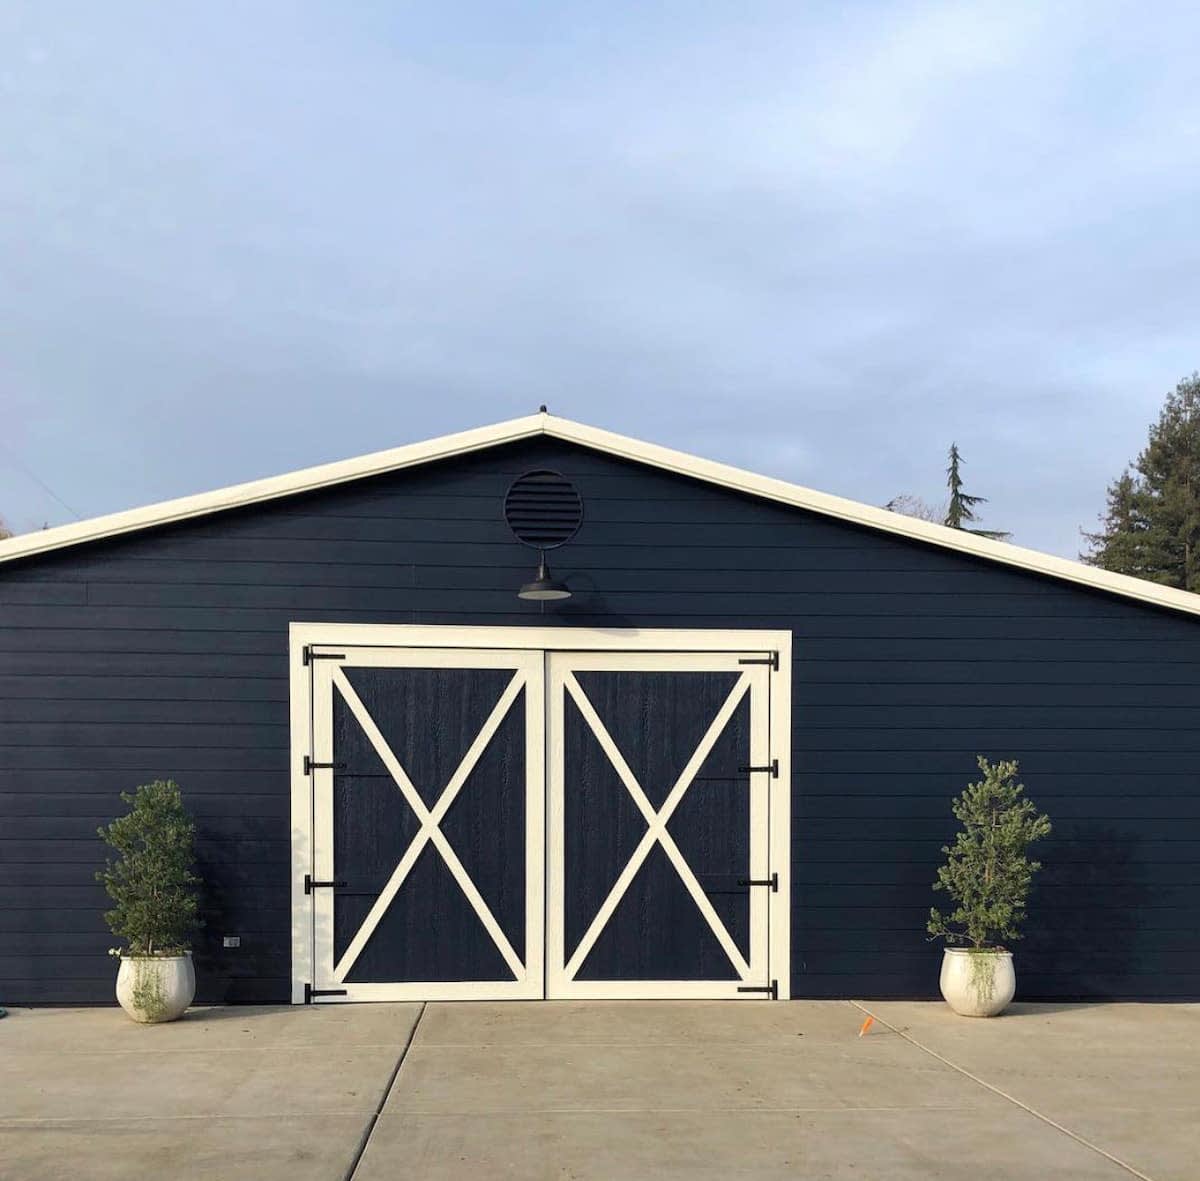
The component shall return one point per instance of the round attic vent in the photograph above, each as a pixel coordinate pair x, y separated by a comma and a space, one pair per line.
543, 509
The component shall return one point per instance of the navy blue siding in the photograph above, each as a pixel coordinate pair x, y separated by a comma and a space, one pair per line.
164, 653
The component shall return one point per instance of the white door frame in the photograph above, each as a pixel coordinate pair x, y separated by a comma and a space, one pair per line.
328, 680
773, 646
753, 682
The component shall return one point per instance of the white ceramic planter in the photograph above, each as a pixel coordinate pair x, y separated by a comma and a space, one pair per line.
977, 983
156, 988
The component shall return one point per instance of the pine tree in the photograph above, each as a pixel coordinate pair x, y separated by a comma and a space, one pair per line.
1151, 526
1120, 544
961, 507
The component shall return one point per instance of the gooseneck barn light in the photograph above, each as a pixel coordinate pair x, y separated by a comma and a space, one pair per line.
543, 510
543, 588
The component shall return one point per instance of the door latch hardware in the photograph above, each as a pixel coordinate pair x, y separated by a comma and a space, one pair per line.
310, 885
310, 655
772, 660
772, 881
310, 766
772, 767
772, 988
310, 992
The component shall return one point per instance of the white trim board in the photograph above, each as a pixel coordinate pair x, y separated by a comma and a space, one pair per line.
767, 960
546, 639
447, 446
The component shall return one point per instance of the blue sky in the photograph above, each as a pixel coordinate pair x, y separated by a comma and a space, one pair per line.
816, 240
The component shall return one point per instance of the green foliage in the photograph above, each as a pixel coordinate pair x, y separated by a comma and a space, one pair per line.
960, 509
1151, 524
151, 883
1121, 543
988, 872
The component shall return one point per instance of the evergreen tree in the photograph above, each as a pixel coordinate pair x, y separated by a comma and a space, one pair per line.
1151, 525
988, 872
960, 510
151, 883
1120, 544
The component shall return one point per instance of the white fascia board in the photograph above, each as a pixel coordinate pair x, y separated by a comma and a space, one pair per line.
872, 517
239, 495
448, 446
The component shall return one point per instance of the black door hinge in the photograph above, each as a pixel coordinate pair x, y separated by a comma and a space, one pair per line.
772, 660
772, 881
310, 766
310, 655
310, 992
772, 767
772, 988
310, 885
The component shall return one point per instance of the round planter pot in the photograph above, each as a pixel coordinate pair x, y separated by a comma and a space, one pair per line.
156, 988
977, 983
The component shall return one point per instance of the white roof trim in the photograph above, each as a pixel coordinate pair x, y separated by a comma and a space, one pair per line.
448, 446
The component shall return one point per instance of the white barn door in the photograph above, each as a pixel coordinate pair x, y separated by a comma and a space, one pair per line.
660, 775
428, 805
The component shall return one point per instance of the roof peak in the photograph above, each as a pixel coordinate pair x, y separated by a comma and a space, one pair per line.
544, 423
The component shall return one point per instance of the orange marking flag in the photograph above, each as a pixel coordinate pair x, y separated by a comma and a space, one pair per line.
866, 1025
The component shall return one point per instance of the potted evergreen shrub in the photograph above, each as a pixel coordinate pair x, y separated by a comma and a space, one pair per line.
154, 901
988, 874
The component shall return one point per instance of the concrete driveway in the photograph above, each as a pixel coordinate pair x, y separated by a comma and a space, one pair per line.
611, 1090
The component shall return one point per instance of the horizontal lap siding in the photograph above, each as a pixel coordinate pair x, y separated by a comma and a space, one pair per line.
165, 654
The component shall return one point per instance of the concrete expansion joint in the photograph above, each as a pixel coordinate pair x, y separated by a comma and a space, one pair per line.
383, 1098
1004, 1094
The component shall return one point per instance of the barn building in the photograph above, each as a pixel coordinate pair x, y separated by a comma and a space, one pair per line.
537, 710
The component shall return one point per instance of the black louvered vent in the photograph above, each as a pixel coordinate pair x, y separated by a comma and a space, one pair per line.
543, 509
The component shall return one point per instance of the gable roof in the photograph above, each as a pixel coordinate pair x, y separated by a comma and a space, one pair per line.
447, 446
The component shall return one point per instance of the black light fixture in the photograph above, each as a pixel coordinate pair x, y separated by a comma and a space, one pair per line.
544, 511
543, 588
